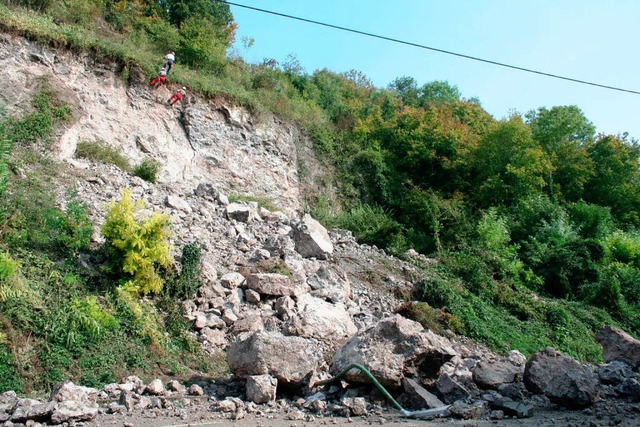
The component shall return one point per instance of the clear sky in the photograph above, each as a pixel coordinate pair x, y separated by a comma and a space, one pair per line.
593, 40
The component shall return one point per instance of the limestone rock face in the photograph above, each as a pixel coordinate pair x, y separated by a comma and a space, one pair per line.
619, 346
562, 379
203, 142
392, 348
289, 359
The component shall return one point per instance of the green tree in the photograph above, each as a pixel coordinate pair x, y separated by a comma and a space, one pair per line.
407, 89
563, 132
179, 11
616, 181
508, 164
438, 92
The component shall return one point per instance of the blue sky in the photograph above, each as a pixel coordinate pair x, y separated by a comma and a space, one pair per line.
593, 40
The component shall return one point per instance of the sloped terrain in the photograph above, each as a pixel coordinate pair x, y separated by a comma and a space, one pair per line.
258, 285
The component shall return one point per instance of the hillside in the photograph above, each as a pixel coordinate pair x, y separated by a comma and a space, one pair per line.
140, 239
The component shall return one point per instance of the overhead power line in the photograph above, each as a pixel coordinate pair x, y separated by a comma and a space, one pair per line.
421, 46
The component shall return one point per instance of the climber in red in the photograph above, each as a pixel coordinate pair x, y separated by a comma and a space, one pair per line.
161, 79
177, 96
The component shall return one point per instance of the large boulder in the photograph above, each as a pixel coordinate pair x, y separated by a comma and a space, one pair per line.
243, 212
271, 284
492, 374
392, 349
261, 388
322, 320
311, 239
617, 345
292, 360
562, 379
331, 284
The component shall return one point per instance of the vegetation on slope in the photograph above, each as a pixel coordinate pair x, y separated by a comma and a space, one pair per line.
534, 218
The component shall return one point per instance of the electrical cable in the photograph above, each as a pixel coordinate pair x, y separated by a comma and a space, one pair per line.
391, 39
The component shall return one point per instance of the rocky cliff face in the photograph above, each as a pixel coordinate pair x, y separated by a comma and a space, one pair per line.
288, 301
205, 141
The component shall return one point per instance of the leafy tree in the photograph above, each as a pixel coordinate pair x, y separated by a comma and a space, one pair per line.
508, 164
563, 132
438, 92
180, 11
616, 181
407, 89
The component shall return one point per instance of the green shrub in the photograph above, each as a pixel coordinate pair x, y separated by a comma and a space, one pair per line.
185, 285
373, 226
39, 5
12, 284
437, 292
624, 247
101, 152
148, 170
39, 124
137, 246
592, 221
9, 377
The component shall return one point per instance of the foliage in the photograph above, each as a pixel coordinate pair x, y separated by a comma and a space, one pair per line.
5, 150
137, 246
12, 284
101, 152
9, 376
508, 164
39, 124
184, 285
148, 170
372, 225
616, 181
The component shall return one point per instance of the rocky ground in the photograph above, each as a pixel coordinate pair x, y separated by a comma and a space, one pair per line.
290, 303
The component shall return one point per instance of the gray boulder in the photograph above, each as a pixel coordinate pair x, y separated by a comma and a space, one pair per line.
490, 375
73, 410
331, 284
311, 239
31, 409
322, 320
562, 379
450, 389
619, 346
291, 360
261, 388
240, 212
391, 349
418, 396
614, 373
271, 284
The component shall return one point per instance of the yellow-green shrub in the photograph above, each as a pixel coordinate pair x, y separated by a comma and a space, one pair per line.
139, 245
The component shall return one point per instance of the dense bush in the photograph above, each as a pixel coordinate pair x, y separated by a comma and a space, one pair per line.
137, 246
148, 170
